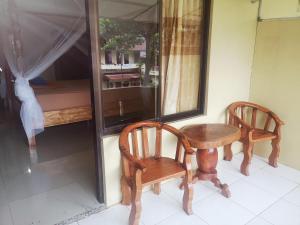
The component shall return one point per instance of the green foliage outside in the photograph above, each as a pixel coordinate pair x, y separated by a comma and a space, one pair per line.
120, 35
123, 35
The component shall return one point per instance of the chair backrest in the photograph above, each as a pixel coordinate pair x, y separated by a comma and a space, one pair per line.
143, 127
241, 110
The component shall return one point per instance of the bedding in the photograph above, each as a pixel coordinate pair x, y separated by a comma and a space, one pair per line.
61, 95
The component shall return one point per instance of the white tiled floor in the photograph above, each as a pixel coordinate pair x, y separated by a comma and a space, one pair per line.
59, 186
269, 196
48, 195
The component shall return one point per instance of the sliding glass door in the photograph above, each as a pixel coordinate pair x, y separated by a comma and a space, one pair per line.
152, 57
149, 61
129, 54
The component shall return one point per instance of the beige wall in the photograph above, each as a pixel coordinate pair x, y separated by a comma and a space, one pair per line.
276, 82
231, 52
279, 8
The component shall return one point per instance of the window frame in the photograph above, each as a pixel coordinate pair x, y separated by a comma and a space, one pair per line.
108, 56
202, 101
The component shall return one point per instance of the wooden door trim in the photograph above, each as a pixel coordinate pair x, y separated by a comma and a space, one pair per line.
97, 84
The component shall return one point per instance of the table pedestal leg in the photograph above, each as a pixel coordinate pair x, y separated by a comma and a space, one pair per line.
207, 161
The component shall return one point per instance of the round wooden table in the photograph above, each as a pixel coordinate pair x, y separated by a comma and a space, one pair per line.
206, 138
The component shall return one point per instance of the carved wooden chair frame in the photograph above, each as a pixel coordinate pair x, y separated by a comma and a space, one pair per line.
137, 167
250, 134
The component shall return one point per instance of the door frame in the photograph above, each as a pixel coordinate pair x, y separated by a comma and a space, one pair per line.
93, 26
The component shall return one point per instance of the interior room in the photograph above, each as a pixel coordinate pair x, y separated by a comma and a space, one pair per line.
178, 112
50, 178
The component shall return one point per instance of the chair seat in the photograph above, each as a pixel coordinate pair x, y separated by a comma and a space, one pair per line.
261, 135
161, 169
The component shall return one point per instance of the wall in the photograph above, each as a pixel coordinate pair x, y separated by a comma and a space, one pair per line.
232, 39
276, 82
279, 9
49, 74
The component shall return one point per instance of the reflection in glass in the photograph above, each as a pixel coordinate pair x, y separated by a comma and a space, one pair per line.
129, 37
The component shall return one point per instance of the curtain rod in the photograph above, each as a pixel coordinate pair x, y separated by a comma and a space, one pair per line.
279, 19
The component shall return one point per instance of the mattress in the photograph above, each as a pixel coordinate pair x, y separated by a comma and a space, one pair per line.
63, 94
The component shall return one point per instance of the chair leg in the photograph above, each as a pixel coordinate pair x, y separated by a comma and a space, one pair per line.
136, 208
156, 188
275, 153
247, 148
126, 192
188, 193
227, 152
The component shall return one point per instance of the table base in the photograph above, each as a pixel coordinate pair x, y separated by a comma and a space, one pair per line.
207, 160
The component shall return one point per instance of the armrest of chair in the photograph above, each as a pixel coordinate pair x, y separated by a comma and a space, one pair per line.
187, 147
136, 163
277, 120
250, 134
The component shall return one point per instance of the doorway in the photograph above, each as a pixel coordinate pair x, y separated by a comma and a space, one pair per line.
59, 180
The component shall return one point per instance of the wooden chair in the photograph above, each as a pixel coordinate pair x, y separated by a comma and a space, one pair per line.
239, 113
140, 170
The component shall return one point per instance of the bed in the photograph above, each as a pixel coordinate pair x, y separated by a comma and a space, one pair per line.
64, 102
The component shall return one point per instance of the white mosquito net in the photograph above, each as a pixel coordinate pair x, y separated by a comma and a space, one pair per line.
35, 33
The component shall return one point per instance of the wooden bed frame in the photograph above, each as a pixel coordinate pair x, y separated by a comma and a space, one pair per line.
64, 116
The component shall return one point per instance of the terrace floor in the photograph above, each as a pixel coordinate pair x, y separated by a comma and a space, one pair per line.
60, 185
267, 196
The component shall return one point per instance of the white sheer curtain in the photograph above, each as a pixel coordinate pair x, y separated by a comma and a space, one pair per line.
2, 78
35, 33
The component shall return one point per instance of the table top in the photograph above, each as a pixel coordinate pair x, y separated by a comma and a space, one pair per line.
206, 136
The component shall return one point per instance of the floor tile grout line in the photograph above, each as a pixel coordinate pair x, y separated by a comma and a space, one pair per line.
245, 179
180, 202
173, 198
289, 193
239, 206
79, 217
201, 218
255, 215
169, 197
251, 220
279, 199
280, 175
261, 188
258, 217
178, 213
164, 218
214, 191
44, 192
255, 171
278, 167
83, 208
251, 210
291, 202
218, 191
279, 196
